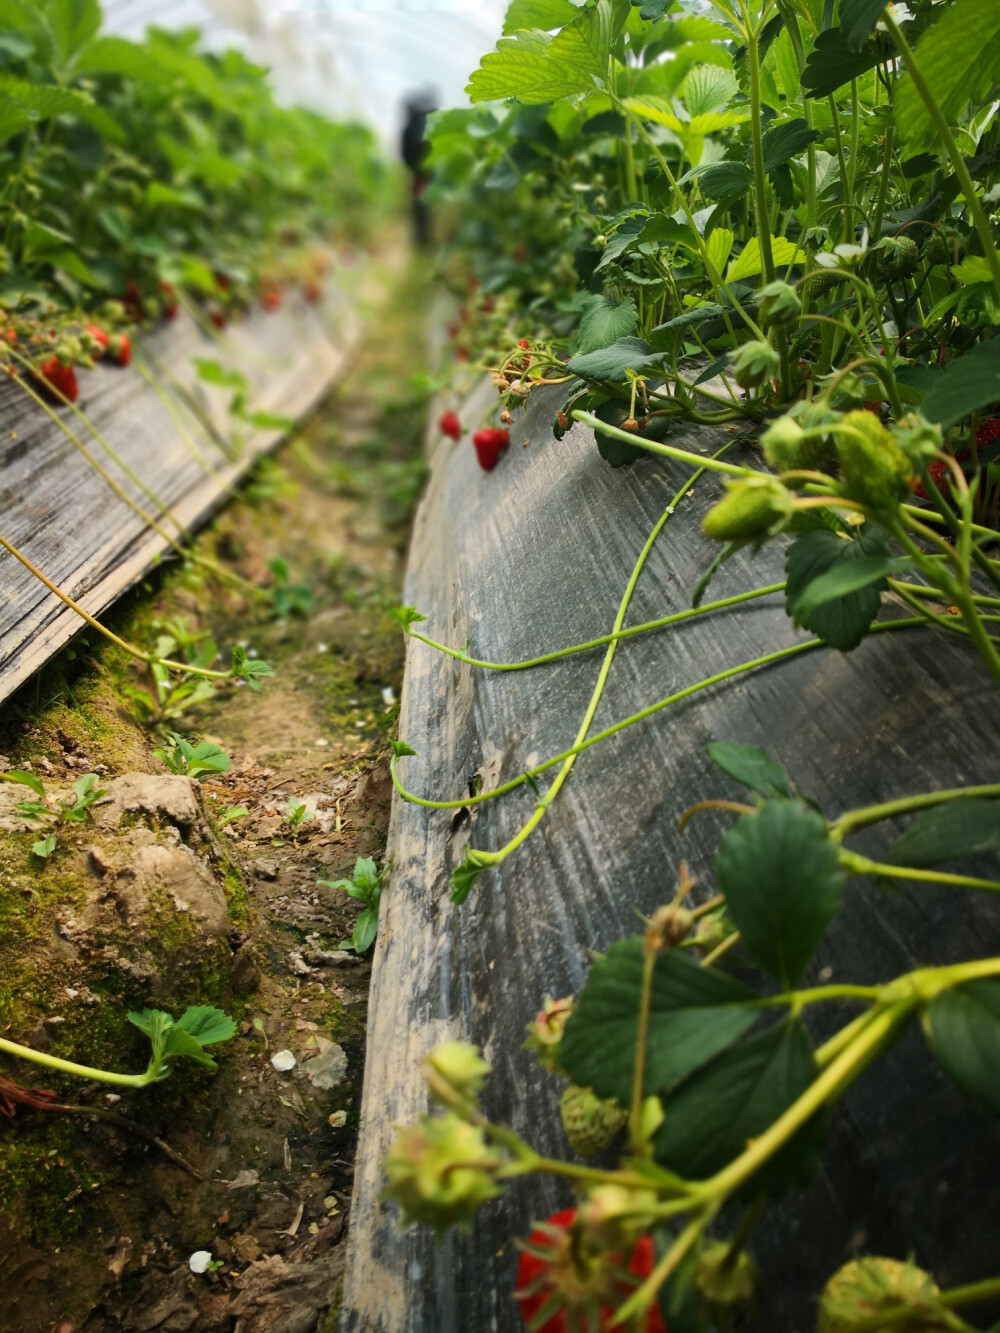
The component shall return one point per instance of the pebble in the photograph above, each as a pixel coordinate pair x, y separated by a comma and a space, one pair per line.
283, 1061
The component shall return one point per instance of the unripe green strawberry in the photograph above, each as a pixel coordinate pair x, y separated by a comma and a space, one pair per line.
897, 257
590, 1124
821, 281
866, 1287
751, 508
725, 1282
875, 470
754, 364
935, 249
786, 446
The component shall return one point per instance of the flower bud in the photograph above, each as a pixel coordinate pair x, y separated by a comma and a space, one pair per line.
780, 306
754, 364
455, 1066
441, 1170
545, 1032
786, 446
751, 508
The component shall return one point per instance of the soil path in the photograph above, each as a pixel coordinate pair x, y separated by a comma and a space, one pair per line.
169, 896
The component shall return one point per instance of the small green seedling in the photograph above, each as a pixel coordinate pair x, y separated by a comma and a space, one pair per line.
288, 599
194, 761
297, 814
364, 886
231, 814
72, 810
171, 1039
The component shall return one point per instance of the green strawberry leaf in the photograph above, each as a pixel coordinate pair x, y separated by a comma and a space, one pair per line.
947, 831
695, 1012
844, 612
751, 766
963, 1029
711, 1117
778, 871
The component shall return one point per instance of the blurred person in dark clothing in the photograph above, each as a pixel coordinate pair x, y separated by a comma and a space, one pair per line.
414, 149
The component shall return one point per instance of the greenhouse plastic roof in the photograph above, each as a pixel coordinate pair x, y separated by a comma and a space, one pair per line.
349, 58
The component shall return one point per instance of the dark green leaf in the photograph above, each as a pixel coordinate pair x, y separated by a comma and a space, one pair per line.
843, 621
660, 227
605, 321
786, 141
751, 766
713, 1115
834, 62
610, 363
963, 1028
858, 19
665, 335
778, 871
957, 828
625, 235
695, 1012
845, 577
725, 182
969, 382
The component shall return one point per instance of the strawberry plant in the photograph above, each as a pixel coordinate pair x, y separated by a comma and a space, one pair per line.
72, 809
778, 217
193, 761
365, 886
170, 1039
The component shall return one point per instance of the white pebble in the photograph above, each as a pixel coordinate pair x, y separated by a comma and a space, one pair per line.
283, 1061
388, 696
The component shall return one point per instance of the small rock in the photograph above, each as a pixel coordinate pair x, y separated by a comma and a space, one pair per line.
337, 1119
283, 1061
165, 796
329, 1067
266, 869
97, 862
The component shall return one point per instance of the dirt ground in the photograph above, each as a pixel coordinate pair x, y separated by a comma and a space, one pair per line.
156, 900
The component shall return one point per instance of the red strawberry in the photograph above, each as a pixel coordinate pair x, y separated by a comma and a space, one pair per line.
270, 299
218, 316
449, 424
490, 442
53, 375
525, 360
939, 472
169, 300
533, 1290
120, 347
988, 432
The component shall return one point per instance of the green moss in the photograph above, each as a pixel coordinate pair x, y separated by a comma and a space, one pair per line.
45, 1188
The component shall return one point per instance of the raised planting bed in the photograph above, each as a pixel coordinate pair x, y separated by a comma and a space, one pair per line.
93, 499
530, 558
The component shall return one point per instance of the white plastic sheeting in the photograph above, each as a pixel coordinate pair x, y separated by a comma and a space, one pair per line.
349, 58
